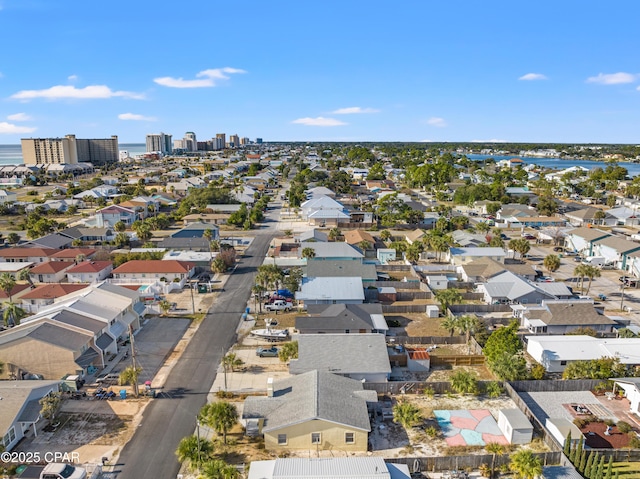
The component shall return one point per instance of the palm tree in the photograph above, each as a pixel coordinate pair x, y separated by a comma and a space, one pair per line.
591, 272
522, 246
364, 245
483, 226
121, 239
7, 283
334, 234
450, 322
551, 262
580, 272
232, 361
467, 325
464, 382
165, 306
12, 314
494, 448
406, 414
218, 469
220, 416
308, 253
385, 235
130, 376
448, 297
191, 449
525, 465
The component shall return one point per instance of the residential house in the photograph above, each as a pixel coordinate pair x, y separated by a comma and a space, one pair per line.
197, 230
582, 239
313, 235
89, 271
26, 255
206, 218
320, 191
342, 318
21, 408
465, 239
33, 300
50, 241
327, 468
144, 206
200, 244
315, 410
49, 272
223, 208
625, 216
102, 191
367, 358
535, 222
341, 268
71, 255
588, 216
564, 317
356, 237
414, 236
460, 256
330, 290
90, 235
324, 211
48, 348
615, 250
14, 269
7, 197
386, 255
509, 288
556, 352
245, 194
109, 216
335, 251
482, 269
173, 273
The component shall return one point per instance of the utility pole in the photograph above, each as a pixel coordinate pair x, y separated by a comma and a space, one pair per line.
622, 297
224, 366
134, 364
193, 304
198, 438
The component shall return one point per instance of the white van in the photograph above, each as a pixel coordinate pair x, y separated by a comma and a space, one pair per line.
598, 261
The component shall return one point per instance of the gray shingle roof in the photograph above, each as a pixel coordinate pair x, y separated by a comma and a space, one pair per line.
341, 268
79, 320
339, 316
60, 336
583, 314
314, 395
342, 354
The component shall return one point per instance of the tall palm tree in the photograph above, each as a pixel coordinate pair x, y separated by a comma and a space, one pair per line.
191, 449
591, 272
220, 416
308, 253
467, 325
7, 283
130, 375
580, 271
218, 469
494, 448
551, 262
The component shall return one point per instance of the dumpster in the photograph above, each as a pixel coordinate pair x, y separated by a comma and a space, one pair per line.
202, 288
123, 394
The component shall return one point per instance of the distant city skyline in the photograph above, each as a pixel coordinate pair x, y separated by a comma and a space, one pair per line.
499, 71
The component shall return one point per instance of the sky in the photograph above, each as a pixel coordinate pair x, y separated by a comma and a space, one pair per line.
332, 70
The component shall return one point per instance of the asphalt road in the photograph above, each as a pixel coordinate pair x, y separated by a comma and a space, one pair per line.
151, 452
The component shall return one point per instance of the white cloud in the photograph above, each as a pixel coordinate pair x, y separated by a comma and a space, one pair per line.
72, 77
207, 78
319, 121
354, 110
613, 78
19, 117
8, 128
489, 141
60, 92
437, 122
533, 77
135, 117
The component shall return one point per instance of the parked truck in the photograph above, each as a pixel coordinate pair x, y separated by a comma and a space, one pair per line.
279, 305
598, 261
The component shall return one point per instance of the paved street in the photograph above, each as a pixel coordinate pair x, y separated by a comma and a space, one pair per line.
151, 451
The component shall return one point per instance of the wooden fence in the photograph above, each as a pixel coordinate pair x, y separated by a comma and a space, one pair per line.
396, 284
555, 385
404, 308
412, 295
457, 360
480, 308
451, 463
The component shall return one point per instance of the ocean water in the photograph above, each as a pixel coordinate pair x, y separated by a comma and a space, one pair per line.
12, 154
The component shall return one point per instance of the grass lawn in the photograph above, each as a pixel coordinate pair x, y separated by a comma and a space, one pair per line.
627, 470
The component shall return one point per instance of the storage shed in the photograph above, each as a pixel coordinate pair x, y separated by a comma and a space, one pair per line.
387, 294
418, 360
560, 428
433, 311
515, 426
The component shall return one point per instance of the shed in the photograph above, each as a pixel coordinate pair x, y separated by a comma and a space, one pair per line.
515, 426
560, 428
418, 360
437, 281
387, 294
433, 311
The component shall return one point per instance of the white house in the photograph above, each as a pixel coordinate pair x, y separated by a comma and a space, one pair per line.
331, 290
631, 388
89, 271
458, 256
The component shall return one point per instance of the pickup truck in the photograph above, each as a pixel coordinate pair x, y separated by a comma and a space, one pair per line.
279, 305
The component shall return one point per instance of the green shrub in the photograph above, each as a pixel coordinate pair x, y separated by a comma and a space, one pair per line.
624, 427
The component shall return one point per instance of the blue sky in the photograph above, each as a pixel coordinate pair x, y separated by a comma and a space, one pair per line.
347, 70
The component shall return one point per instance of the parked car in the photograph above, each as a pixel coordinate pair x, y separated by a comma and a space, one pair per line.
544, 279
271, 352
558, 249
111, 378
528, 236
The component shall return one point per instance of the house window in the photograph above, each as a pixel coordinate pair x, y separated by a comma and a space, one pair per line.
349, 438
346, 331
282, 439
315, 438
563, 363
